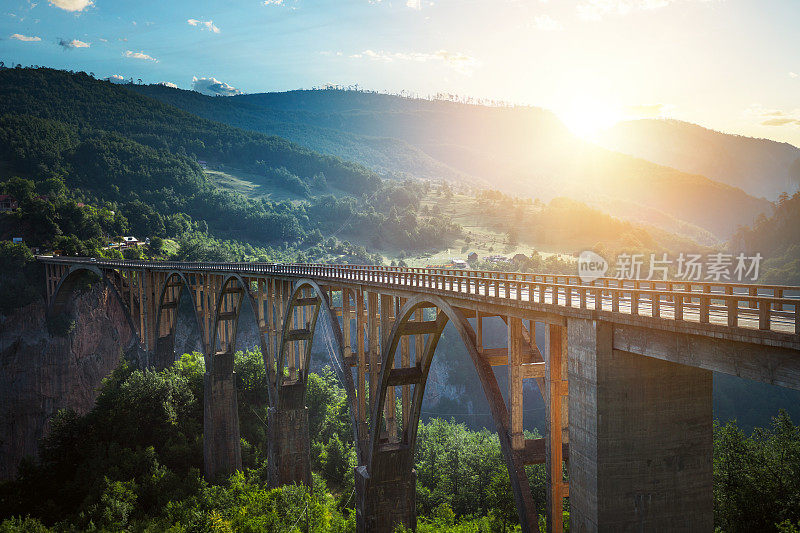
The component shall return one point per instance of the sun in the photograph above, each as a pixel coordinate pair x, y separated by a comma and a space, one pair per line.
587, 119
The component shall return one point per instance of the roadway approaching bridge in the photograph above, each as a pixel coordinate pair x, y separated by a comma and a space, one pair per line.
626, 373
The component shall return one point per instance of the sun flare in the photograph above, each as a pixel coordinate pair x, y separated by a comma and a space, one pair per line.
587, 119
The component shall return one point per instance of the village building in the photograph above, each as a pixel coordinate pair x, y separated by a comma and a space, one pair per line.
8, 203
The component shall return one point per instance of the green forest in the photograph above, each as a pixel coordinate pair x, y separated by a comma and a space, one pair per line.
124, 152
134, 463
776, 238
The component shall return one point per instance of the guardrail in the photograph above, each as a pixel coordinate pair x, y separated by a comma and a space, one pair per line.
736, 305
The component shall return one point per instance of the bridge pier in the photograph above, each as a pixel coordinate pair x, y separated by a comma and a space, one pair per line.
222, 452
164, 354
386, 496
289, 441
640, 438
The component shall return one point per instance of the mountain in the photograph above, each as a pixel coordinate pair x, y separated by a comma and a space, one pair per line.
82, 103
383, 154
761, 167
116, 146
519, 150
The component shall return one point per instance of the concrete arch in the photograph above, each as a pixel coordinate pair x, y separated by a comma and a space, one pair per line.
378, 459
301, 287
242, 294
165, 345
66, 287
297, 302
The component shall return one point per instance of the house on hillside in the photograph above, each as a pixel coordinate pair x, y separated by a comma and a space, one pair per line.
519, 258
472, 257
8, 203
129, 241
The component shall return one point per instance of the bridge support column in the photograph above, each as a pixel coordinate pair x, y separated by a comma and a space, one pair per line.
386, 496
289, 441
164, 354
222, 452
640, 430
289, 447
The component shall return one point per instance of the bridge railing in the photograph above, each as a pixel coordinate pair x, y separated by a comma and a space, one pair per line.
752, 289
734, 305
737, 305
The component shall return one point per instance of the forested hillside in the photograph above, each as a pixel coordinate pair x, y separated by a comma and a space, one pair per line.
110, 146
776, 238
84, 103
761, 167
379, 152
133, 463
519, 150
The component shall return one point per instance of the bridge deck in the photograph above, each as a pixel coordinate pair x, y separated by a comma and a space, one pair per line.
764, 314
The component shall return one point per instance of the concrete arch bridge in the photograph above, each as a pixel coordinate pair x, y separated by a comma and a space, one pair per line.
626, 373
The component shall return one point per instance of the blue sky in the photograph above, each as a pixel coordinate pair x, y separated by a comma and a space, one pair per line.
732, 65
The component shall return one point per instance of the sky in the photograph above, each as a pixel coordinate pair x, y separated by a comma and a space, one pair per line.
730, 65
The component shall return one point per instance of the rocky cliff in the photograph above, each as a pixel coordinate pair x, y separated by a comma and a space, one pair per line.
41, 373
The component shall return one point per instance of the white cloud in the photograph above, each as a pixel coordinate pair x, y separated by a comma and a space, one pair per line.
546, 23
793, 75
774, 117
139, 55
597, 9
273, 2
456, 60
74, 43
167, 84
204, 25
72, 5
414, 4
25, 38
213, 87
116, 78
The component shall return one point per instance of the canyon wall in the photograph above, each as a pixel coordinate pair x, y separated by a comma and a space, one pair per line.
42, 373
